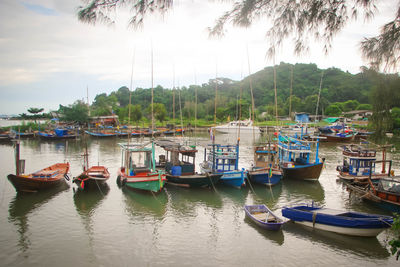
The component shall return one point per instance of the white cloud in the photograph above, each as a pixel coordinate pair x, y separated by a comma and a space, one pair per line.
35, 48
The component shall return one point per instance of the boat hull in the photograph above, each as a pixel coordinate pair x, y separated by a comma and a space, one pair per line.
341, 222
302, 172
335, 138
30, 183
370, 232
195, 180
233, 178
263, 177
151, 183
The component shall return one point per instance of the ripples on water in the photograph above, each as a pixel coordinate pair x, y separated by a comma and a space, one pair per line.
178, 227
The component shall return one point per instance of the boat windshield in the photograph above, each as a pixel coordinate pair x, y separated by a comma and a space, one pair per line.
389, 185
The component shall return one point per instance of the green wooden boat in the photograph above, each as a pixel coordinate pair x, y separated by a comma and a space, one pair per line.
138, 170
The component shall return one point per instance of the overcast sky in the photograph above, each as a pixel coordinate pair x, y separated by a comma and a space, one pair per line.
48, 57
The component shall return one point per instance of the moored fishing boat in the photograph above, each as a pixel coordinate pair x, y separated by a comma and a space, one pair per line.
46, 178
338, 137
101, 134
266, 170
262, 216
91, 177
57, 134
138, 170
182, 172
296, 159
224, 159
358, 162
338, 221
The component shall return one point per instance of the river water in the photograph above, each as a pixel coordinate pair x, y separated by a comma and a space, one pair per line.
179, 226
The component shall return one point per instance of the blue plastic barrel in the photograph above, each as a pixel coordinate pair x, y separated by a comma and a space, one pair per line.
176, 170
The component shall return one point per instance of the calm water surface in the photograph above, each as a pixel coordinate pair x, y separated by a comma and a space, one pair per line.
178, 227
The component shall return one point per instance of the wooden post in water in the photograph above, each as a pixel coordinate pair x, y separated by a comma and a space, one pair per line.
17, 158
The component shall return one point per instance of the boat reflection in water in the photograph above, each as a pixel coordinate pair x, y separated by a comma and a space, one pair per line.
276, 237
368, 247
145, 204
268, 195
87, 201
25, 204
231, 194
298, 191
184, 200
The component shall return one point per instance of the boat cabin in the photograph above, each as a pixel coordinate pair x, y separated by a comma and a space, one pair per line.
136, 158
266, 156
180, 160
294, 151
358, 161
223, 158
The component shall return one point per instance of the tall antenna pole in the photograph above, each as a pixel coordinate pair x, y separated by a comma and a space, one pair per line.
319, 95
152, 94
291, 90
216, 93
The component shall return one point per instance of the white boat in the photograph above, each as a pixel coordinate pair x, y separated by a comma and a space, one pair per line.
246, 126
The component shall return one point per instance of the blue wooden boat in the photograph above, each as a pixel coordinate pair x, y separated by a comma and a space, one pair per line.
101, 134
297, 160
338, 221
266, 170
57, 134
262, 216
224, 159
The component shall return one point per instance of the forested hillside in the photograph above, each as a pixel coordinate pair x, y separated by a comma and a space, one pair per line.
340, 91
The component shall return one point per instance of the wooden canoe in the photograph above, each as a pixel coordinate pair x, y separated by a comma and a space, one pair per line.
46, 178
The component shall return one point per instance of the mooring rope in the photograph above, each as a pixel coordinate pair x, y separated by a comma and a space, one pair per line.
215, 189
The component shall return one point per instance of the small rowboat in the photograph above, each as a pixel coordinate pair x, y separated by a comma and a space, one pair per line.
263, 217
92, 177
338, 221
46, 178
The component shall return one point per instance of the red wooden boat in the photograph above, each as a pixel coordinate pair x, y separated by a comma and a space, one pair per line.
46, 178
92, 177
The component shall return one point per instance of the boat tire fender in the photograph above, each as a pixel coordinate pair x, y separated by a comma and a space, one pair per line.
66, 177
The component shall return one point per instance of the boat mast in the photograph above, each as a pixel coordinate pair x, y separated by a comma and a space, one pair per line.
152, 95
319, 95
87, 98
173, 97
180, 110
195, 102
276, 98
251, 92
216, 93
291, 91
